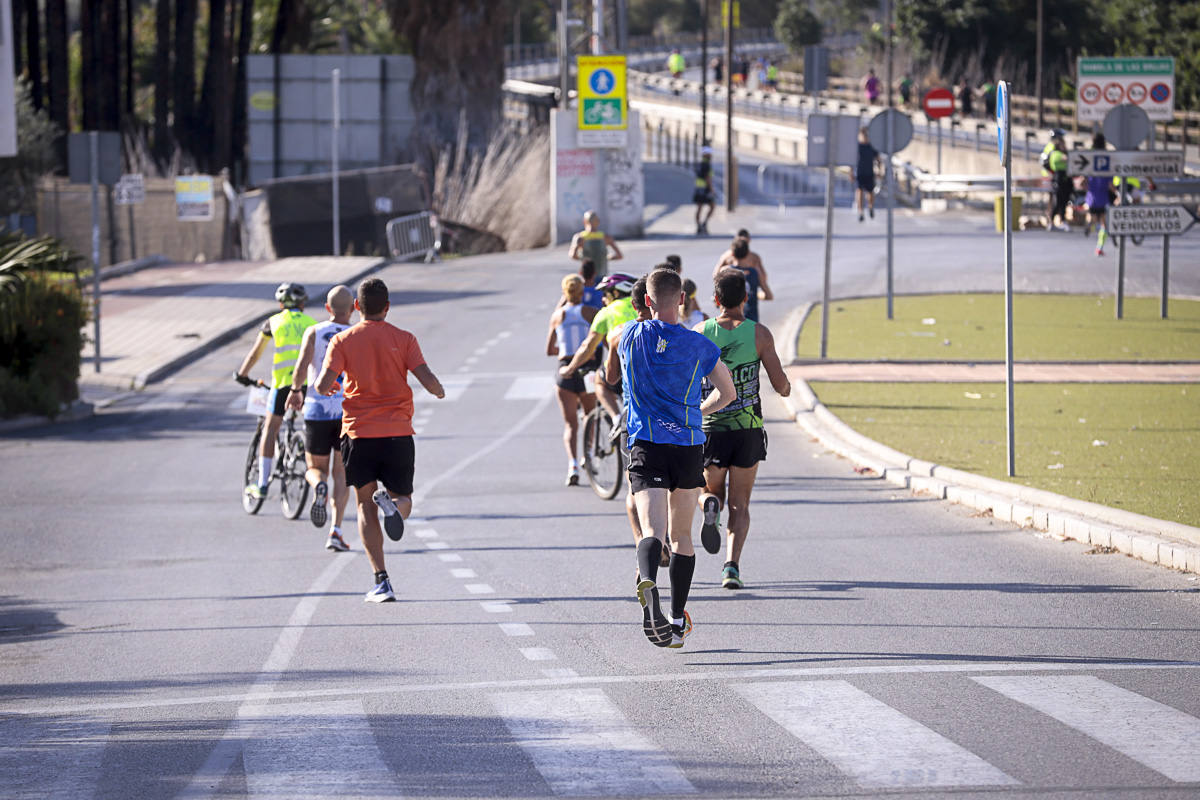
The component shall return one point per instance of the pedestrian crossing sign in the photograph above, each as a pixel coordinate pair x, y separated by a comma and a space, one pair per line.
603, 101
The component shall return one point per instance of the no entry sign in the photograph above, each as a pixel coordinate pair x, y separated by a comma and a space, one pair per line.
939, 103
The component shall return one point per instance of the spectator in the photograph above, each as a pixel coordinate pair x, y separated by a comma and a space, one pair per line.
965, 98
871, 86
906, 90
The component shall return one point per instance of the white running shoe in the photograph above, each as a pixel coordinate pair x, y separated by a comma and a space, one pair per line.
393, 523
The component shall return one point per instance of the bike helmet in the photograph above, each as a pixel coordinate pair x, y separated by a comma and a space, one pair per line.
1057, 133
291, 295
618, 282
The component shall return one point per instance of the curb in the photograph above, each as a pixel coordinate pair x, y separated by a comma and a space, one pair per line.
78, 410
1168, 544
130, 267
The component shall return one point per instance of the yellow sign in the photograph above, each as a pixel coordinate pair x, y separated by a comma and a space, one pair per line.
737, 13
603, 99
263, 101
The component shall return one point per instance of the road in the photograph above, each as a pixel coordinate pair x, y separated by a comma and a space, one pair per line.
155, 641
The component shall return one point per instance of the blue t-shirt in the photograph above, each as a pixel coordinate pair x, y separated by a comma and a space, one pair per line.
662, 366
593, 297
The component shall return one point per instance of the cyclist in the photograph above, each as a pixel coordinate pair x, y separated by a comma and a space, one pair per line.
735, 439
286, 330
593, 243
569, 326
660, 361
377, 435
323, 419
756, 277
618, 310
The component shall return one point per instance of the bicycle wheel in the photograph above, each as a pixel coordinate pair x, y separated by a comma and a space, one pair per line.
601, 456
250, 504
293, 488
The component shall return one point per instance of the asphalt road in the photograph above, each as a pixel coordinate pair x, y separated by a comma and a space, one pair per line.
155, 641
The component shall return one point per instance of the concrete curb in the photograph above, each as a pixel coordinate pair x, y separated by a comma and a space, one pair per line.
1169, 544
78, 410
130, 267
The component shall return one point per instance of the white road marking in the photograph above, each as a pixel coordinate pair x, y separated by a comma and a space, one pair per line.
454, 387
530, 387
497, 608
867, 739
51, 757
449, 557
503, 334
560, 672
516, 629
471, 360
427, 533
479, 588
538, 653
463, 572
1162, 738
482, 351
583, 745
437, 545
313, 750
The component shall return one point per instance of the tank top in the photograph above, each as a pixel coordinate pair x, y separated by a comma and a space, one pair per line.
595, 248
740, 354
751, 309
572, 330
320, 407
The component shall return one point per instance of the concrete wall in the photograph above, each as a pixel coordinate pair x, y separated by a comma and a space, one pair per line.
608, 181
376, 113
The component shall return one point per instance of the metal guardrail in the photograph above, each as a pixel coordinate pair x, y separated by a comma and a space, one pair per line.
415, 235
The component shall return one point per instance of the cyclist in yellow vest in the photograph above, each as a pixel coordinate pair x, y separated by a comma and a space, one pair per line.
286, 330
676, 63
593, 243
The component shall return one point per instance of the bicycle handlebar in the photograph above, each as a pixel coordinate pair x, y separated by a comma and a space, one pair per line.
245, 380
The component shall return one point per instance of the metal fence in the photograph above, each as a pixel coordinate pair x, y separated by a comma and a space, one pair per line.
415, 236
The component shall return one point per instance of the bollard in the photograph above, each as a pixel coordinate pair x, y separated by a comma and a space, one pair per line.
979, 126
1028, 151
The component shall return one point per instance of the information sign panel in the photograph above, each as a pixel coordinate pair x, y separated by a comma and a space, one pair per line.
1148, 220
1104, 83
130, 190
839, 131
1127, 163
194, 198
603, 101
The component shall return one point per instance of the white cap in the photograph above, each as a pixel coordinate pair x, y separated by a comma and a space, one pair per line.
706, 150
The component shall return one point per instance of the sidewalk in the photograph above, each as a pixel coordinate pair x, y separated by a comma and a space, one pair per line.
992, 372
155, 321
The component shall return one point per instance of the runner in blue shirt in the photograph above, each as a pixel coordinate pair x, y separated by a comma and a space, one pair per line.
662, 366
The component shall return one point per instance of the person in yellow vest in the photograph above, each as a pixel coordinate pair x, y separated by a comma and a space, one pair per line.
593, 243
1061, 185
286, 330
772, 76
1056, 135
676, 66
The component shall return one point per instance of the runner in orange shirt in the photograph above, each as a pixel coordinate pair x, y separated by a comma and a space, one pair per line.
377, 411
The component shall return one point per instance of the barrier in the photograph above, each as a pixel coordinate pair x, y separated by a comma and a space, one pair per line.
415, 235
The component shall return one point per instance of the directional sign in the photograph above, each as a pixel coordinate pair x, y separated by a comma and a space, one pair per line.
1158, 220
1107, 82
902, 131
1002, 119
839, 129
1127, 163
1126, 126
603, 101
939, 103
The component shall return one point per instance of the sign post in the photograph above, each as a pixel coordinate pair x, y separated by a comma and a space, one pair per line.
1004, 141
603, 102
1126, 127
8, 103
939, 103
832, 141
94, 157
1152, 220
890, 131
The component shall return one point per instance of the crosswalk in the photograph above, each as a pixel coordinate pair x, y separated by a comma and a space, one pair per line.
600, 737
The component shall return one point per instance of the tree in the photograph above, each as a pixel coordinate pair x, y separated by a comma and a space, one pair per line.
58, 83
33, 53
1158, 28
183, 81
36, 136
214, 122
797, 26
163, 146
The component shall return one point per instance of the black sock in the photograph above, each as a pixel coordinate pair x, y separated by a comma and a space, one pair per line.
381, 576
682, 568
649, 552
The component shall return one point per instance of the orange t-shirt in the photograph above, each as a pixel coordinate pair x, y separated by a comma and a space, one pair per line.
375, 357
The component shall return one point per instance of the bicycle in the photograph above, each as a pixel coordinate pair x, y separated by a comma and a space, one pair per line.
603, 454
289, 467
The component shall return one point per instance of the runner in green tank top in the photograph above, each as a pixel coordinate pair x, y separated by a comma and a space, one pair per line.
735, 437
593, 243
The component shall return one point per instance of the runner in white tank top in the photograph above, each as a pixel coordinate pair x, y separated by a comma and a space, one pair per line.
569, 327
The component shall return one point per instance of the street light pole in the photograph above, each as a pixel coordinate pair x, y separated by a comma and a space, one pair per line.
704, 76
730, 177
1041, 119
888, 77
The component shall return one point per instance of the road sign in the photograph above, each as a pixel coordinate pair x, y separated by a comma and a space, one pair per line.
939, 103
1104, 83
844, 130
737, 13
130, 190
603, 101
1126, 127
902, 131
79, 157
1002, 120
194, 198
8, 105
1156, 220
1126, 163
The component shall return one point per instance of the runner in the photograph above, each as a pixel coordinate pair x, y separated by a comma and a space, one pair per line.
690, 312
323, 419
617, 310
286, 329
727, 258
1099, 196
592, 297
660, 364
735, 439
375, 358
569, 326
703, 194
756, 276
593, 243
864, 173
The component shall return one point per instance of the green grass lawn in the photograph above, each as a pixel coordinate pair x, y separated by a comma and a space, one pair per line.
970, 327
1129, 446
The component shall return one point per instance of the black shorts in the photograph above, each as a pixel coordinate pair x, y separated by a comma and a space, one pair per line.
665, 466
702, 197
573, 382
389, 459
277, 402
866, 181
321, 436
742, 449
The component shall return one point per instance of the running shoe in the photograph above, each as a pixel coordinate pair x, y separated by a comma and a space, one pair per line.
318, 513
336, 543
1099, 251
393, 523
710, 531
731, 578
872, 212
680, 632
382, 593
656, 627
572, 476
665, 559
256, 491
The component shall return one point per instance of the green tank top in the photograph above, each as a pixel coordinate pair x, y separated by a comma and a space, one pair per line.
740, 354
595, 248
